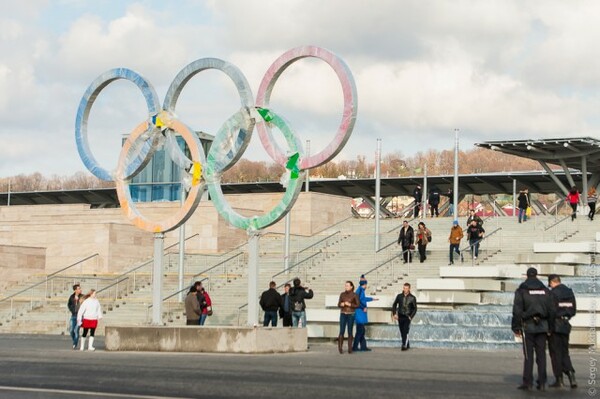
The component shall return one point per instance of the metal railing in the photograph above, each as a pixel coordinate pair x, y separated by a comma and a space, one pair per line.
222, 269
387, 269
560, 229
487, 251
37, 294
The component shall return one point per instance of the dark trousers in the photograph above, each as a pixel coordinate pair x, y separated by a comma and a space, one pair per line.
422, 252
535, 342
359, 339
406, 254
592, 206
474, 247
417, 209
434, 210
574, 208
287, 319
404, 325
270, 317
346, 323
559, 354
454, 248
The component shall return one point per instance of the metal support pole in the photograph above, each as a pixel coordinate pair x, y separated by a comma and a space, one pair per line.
253, 279
377, 192
514, 197
181, 250
8, 197
308, 170
425, 194
286, 243
554, 178
455, 197
584, 180
157, 272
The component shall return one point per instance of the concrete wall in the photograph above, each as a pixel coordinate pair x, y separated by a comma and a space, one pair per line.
206, 339
18, 263
69, 233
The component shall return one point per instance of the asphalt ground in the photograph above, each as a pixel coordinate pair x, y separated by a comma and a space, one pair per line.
43, 366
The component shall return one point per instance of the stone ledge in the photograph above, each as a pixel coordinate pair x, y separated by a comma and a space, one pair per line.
206, 339
456, 284
564, 247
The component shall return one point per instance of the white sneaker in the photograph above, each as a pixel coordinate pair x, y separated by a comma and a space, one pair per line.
475, 257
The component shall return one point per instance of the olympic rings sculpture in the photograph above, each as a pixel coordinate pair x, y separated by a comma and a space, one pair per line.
204, 171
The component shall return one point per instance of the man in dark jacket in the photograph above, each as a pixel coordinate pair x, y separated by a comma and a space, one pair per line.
285, 312
434, 201
533, 313
298, 294
404, 310
270, 302
565, 308
475, 233
523, 204
418, 196
406, 239
73, 305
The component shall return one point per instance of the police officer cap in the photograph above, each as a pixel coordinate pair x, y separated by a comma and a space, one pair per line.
532, 272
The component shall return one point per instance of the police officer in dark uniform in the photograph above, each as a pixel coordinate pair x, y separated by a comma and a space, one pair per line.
533, 311
565, 307
418, 196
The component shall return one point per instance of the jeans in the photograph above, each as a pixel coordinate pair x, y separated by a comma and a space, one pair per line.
451, 210
359, 339
592, 212
474, 247
454, 248
299, 319
404, 325
202, 319
270, 317
522, 215
406, 253
74, 330
346, 321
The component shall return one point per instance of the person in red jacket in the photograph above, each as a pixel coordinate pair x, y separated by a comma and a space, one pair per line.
573, 199
205, 302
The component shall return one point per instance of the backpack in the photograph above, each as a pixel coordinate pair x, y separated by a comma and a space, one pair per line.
297, 301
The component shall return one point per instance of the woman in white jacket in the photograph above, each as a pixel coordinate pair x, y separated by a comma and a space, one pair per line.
87, 317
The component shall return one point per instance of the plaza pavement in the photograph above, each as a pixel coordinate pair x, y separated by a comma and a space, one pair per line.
44, 366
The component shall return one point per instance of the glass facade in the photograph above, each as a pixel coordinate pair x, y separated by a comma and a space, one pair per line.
160, 180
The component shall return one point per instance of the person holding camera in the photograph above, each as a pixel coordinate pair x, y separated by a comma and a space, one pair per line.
298, 294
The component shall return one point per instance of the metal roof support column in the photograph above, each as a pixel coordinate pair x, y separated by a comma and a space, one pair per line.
553, 176
567, 172
584, 179
594, 180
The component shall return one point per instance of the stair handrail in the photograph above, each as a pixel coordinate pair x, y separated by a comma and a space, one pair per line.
487, 235
400, 225
217, 265
47, 278
387, 261
557, 223
297, 264
318, 242
184, 240
176, 293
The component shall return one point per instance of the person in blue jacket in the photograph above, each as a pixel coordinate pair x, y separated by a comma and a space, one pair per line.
360, 316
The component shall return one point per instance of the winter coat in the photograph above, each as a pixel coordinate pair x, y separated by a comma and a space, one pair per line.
573, 198
297, 297
533, 307
207, 303
523, 200
423, 236
406, 238
475, 232
405, 305
456, 234
348, 296
270, 300
73, 304
90, 309
360, 315
565, 308
192, 307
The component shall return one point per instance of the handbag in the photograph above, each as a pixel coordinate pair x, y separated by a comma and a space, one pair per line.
528, 211
209, 311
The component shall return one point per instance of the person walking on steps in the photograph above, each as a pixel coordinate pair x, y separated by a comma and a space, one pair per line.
475, 233
592, 196
422, 239
565, 307
418, 196
347, 303
404, 310
405, 240
360, 316
473, 216
73, 306
434, 201
533, 311
88, 315
456, 235
523, 200
573, 200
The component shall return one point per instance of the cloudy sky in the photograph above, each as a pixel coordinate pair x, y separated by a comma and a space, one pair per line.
504, 69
